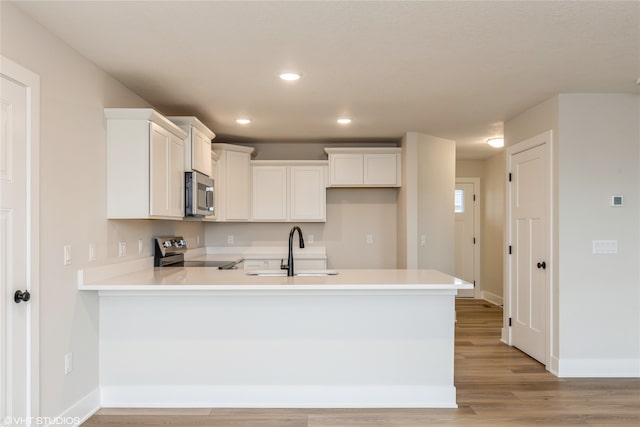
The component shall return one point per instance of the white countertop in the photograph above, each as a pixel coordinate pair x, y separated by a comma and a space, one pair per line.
210, 279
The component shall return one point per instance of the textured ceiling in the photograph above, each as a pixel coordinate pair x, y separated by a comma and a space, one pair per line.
456, 70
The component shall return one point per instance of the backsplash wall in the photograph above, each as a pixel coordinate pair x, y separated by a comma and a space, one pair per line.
351, 215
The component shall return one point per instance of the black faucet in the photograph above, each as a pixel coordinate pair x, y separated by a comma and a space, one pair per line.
289, 266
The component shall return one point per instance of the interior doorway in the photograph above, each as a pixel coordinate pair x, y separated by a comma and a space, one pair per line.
19, 262
467, 234
529, 238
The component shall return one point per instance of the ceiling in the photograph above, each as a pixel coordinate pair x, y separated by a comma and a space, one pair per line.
456, 70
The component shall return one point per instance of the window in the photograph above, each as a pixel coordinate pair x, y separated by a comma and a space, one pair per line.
459, 201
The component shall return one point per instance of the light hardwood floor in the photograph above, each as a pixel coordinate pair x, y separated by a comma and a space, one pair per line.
497, 385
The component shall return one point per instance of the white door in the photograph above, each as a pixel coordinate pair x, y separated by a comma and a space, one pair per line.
465, 235
529, 261
18, 316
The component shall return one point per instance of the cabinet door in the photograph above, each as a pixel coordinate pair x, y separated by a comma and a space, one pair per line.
307, 193
346, 169
159, 171
380, 169
201, 152
237, 182
176, 177
269, 193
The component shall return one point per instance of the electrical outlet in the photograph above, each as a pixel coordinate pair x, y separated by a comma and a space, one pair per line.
230, 239
122, 248
310, 238
423, 240
369, 239
68, 363
66, 260
92, 252
140, 246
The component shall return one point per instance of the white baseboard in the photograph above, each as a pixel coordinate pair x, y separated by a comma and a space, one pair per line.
278, 397
492, 298
80, 411
601, 368
553, 367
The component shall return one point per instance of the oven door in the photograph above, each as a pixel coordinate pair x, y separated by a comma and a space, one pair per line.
199, 195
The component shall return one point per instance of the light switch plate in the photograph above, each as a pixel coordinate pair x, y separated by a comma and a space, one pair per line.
605, 246
92, 252
67, 255
122, 249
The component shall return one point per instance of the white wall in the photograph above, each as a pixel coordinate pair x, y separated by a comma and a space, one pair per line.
599, 294
492, 245
73, 202
436, 186
351, 215
596, 298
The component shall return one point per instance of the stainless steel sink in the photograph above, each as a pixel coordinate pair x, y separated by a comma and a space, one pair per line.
301, 273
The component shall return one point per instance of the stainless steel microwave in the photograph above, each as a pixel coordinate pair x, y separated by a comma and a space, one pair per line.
199, 196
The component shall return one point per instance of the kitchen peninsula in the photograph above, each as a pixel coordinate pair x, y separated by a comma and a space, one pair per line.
200, 337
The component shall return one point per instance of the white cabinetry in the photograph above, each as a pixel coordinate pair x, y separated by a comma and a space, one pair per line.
145, 165
233, 195
364, 167
288, 191
214, 175
197, 144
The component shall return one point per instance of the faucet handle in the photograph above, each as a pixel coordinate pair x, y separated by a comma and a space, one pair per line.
282, 266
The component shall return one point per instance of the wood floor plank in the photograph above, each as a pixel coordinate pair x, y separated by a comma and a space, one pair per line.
497, 385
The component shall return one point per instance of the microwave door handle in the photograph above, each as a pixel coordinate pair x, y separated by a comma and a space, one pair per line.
209, 198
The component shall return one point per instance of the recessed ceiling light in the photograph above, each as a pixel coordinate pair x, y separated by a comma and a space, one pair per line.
344, 121
243, 121
290, 76
496, 142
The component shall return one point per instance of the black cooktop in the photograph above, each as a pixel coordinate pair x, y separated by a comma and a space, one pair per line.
221, 265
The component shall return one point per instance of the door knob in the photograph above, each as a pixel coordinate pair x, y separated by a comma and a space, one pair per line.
20, 296
542, 265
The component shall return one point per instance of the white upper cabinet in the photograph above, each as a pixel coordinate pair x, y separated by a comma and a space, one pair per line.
364, 167
269, 192
288, 191
145, 165
308, 193
197, 144
233, 186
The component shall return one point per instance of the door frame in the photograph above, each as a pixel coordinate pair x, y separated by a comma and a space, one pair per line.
31, 81
545, 139
477, 290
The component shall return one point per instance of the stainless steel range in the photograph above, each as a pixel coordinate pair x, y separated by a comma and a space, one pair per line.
170, 251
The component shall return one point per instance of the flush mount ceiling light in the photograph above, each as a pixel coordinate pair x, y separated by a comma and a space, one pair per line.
243, 121
290, 76
496, 142
344, 120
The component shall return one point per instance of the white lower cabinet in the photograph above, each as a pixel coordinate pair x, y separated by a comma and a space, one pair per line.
288, 191
145, 165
